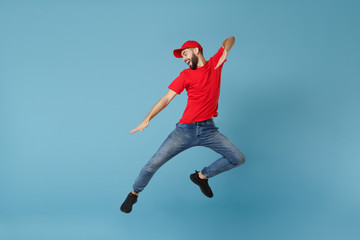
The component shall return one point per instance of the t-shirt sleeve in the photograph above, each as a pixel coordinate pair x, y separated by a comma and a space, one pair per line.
215, 59
178, 85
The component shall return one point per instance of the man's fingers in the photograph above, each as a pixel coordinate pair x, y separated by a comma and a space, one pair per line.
140, 128
134, 130
219, 63
137, 129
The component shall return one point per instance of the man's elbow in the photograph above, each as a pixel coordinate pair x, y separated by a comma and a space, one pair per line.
232, 40
166, 100
229, 42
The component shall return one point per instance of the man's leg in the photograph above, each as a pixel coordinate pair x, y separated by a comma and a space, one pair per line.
231, 155
178, 141
175, 143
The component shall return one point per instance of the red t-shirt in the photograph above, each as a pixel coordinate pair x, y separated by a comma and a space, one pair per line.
203, 90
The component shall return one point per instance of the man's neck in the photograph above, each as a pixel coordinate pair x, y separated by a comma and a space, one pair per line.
201, 61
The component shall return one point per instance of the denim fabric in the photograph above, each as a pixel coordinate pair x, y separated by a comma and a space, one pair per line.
185, 136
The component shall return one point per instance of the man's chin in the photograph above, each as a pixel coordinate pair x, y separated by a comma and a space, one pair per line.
191, 66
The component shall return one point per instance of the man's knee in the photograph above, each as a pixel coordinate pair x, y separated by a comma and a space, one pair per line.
152, 166
239, 159
156, 162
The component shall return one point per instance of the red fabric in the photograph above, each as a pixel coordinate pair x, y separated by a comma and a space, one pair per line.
203, 90
188, 44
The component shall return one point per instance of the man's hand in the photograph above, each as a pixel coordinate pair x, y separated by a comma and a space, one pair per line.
144, 124
222, 58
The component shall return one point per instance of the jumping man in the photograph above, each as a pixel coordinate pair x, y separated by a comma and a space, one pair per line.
196, 127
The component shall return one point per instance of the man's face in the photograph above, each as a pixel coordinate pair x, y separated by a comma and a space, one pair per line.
190, 58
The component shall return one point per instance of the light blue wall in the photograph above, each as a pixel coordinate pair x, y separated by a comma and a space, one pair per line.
77, 76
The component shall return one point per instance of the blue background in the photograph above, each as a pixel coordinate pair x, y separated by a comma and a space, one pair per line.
77, 76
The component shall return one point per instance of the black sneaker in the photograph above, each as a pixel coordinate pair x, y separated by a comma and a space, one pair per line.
130, 200
202, 183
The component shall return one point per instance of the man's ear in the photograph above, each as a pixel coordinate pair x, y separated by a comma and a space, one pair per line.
196, 51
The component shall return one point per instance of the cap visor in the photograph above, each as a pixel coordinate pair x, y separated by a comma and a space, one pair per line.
177, 53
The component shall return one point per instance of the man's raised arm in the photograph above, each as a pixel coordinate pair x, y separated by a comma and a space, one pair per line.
160, 105
227, 45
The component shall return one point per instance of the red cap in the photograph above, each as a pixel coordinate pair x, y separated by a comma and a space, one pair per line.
188, 44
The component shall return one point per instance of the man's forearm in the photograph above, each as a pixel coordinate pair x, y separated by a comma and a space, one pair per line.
158, 107
229, 43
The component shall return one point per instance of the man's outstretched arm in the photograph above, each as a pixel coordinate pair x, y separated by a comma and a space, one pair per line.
227, 45
160, 105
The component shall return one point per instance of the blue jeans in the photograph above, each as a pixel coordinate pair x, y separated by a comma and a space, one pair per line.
185, 136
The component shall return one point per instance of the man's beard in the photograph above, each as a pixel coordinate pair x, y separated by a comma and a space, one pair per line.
194, 61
